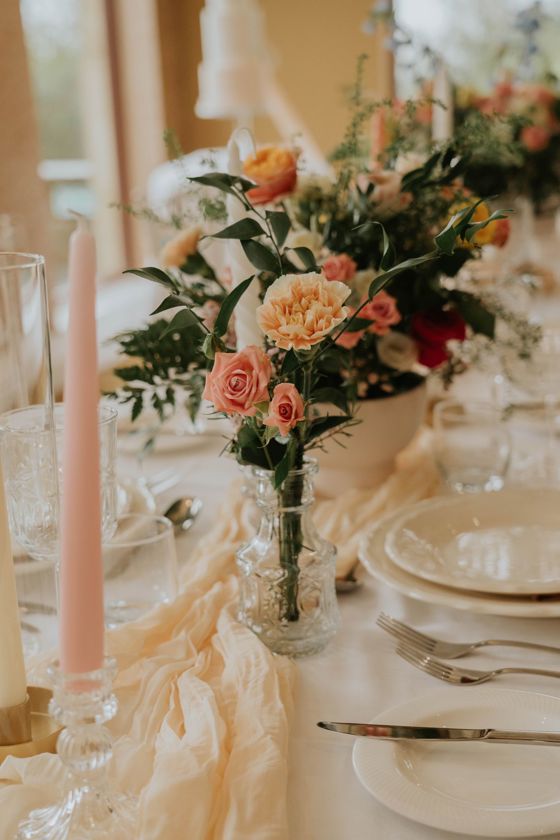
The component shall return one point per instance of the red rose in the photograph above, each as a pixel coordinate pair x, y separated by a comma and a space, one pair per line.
432, 330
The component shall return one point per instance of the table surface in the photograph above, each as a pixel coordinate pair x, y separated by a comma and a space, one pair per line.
356, 678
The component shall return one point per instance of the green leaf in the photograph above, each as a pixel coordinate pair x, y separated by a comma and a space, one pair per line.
290, 362
137, 407
420, 174
260, 256
325, 424
229, 304
196, 264
307, 257
243, 229
475, 314
156, 275
280, 224
357, 324
183, 320
224, 181
383, 279
284, 467
455, 228
170, 302
334, 396
474, 227
388, 255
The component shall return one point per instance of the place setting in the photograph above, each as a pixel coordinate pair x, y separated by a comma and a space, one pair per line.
280, 422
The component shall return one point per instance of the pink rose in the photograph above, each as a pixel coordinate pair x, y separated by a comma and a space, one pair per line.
348, 340
238, 381
382, 311
286, 408
339, 267
535, 138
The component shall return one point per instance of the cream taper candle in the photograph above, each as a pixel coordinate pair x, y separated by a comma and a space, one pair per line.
81, 569
442, 115
13, 684
246, 327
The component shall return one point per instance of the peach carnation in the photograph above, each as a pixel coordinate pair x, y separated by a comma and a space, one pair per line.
238, 381
286, 408
299, 310
274, 170
176, 251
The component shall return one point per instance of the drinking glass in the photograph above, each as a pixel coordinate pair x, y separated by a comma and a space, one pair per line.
32, 482
140, 565
25, 354
472, 446
537, 382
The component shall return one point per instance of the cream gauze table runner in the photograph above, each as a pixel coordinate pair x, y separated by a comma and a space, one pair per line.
204, 707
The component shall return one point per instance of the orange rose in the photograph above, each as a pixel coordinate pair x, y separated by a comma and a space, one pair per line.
274, 170
495, 233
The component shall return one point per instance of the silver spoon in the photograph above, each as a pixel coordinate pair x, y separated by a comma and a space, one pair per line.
183, 512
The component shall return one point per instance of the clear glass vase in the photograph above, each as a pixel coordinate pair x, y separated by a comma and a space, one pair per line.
287, 571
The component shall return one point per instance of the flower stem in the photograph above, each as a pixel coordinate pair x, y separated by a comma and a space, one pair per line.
290, 534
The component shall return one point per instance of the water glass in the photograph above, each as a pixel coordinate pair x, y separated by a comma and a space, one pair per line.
472, 446
30, 451
140, 565
25, 354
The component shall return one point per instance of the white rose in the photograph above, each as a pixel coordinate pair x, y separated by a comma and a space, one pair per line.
361, 282
303, 238
408, 162
397, 350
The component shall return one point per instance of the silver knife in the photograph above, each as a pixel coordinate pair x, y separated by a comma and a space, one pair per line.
441, 733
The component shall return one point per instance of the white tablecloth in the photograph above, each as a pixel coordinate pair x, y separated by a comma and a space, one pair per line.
357, 677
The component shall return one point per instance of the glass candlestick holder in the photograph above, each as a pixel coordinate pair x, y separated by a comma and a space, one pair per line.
90, 808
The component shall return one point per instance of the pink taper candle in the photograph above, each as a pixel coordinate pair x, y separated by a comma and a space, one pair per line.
81, 569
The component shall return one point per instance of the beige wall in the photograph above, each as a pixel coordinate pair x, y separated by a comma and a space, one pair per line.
316, 44
22, 193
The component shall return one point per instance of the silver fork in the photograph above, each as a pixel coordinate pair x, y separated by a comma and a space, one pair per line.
461, 676
448, 650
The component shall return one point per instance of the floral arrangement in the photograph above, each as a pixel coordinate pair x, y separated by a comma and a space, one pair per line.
531, 115
279, 393
395, 231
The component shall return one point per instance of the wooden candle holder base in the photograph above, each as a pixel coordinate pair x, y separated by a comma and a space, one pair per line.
30, 725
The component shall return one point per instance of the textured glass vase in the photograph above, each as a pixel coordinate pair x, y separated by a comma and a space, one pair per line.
287, 571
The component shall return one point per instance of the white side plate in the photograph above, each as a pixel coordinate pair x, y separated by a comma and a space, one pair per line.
373, 556
506, 543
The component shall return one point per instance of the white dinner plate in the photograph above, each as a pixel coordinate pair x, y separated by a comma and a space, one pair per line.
489, 790
375, 559
506, 543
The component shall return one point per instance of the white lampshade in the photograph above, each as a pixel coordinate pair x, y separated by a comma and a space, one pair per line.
236, 66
